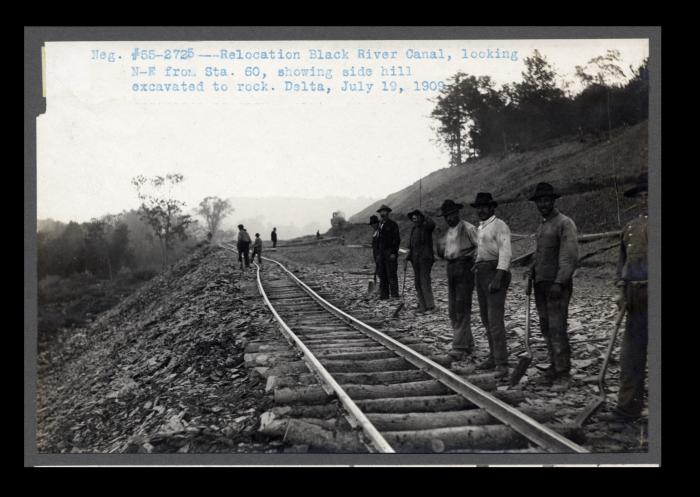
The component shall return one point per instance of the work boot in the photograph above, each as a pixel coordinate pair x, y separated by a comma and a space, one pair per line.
501, 370
561, 382
487, 364
459, 354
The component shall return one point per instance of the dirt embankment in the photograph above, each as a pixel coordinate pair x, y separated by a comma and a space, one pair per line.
162, 371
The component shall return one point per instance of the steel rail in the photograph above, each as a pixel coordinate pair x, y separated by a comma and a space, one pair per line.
367, 427
507, 414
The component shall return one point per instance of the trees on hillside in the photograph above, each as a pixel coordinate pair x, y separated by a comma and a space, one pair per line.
474, 117
213, 210
338, 221
161, 210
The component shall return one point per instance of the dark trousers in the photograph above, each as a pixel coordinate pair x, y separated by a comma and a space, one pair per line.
553, 315
492, 309
274, 242
388, 278
259, 252
243, 249
421, 277
633, 356
460, 288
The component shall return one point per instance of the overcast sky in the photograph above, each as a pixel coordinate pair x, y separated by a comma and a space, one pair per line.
96, 135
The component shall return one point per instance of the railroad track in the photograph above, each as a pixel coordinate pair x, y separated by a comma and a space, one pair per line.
401, 398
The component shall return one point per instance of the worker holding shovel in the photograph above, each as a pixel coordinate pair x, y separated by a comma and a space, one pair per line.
632, 280
556, 256
492, 270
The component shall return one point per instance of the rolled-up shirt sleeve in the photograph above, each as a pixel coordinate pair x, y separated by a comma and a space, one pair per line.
568, 251
504, 250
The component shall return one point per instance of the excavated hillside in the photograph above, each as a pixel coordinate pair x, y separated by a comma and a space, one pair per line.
584, 171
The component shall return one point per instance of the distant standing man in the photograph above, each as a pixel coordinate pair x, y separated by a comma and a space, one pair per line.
460, 247
420, 254
388, 253
492, 268
257, 248
273, 237
243, 246
556, 257
632, 280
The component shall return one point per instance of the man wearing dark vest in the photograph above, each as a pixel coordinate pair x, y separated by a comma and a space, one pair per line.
420, 254
388, 253
556, 257
632, 270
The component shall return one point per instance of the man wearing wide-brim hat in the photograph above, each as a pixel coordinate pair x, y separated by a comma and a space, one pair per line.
388, 240
556, 257
632, 271
492, 270
420, 254
459, 249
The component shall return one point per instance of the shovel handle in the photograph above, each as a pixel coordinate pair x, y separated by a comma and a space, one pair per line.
618, 322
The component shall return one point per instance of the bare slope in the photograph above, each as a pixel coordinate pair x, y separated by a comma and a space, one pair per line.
582, 171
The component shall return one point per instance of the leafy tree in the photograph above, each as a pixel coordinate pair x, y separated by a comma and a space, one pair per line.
213, 210
161, 211
97, 249
603, 73
474, 117
338, 221
69, 249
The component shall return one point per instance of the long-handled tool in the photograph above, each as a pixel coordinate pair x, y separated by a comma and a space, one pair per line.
600, 400
403, 292
525, 361
372, 285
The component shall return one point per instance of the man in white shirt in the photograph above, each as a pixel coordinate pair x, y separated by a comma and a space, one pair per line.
459, 249
492, 270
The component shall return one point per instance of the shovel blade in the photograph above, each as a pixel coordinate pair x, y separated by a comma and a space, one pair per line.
519, 370
370, 287
398, 310
589, 411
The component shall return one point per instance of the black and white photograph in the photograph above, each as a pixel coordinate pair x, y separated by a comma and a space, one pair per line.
343, 247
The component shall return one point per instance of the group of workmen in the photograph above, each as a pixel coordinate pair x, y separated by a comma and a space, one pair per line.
480, 257
243, 246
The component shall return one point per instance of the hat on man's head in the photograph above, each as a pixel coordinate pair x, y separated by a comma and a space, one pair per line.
257, 234
544, 190
448, 207
384, 207
637, 189
484, 199
373, 219
415, 212
240, 226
